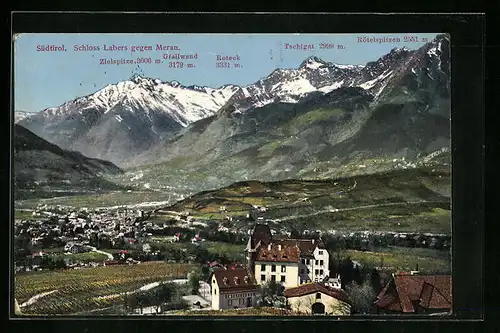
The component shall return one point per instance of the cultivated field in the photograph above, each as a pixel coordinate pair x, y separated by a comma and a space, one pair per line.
72, 291
401, 258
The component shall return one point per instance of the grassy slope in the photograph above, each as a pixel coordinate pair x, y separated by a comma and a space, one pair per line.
412, 198
405, 259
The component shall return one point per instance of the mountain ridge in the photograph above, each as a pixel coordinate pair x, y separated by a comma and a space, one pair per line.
132, 117
39, 165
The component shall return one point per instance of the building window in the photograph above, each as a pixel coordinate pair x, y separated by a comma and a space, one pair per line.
321, 262
283, 269
320, 253
273, 277
316, 262
283, 278
303, 261
320, 272
263, 277
263, 268
316, 272
273, 268
308, 262
308, 271
318, 295
215, 291
230, 302
301, 271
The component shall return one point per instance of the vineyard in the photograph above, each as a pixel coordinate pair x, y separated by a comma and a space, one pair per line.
80, 290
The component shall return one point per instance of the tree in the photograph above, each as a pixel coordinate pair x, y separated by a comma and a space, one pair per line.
47, 263
346, 272
94, 239
362, 297
141, 300
339, 308
294, 233
357, 275
194, 282
272, 295
59, 263
375, 280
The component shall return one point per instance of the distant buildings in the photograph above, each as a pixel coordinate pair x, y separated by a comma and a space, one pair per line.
334, 282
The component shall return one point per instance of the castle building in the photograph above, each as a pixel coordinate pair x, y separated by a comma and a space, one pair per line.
291, 262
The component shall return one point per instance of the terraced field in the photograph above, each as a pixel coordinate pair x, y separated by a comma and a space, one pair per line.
72, 291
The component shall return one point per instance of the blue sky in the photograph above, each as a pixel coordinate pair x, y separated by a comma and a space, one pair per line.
47, 79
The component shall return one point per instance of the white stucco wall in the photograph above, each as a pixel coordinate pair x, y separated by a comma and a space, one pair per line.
291, 273
333, 306
238, 299
319, 267
230, 300
215, 294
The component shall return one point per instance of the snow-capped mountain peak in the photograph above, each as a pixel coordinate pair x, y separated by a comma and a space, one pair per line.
312, 63
20, 115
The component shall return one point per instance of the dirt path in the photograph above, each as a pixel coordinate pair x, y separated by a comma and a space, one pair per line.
110, 256
36, 297
143, 288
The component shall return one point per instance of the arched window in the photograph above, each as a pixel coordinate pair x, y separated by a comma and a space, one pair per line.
318, 295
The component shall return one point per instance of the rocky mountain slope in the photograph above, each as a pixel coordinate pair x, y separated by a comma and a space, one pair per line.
40, 165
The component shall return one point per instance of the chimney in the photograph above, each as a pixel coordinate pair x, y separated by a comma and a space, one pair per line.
313, 240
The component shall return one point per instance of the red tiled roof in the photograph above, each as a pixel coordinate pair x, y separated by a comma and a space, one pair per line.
310, 288
428, 291
278, 253
306, 246
234, 280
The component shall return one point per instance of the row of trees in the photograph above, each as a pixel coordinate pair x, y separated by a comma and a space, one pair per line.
372, 242
167, 296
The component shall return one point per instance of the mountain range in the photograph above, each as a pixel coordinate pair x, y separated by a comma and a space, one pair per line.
309, 121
